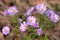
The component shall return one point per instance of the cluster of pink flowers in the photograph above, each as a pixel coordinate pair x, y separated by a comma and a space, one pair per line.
52, 15
31, 20
42, 9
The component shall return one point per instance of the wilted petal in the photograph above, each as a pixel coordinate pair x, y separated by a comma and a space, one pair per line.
29, 11
49, 13
40, 31
36, 25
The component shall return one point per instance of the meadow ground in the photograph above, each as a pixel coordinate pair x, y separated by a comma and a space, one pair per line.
29, 19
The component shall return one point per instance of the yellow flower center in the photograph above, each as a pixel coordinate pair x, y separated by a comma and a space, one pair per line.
13, 10
23, 26
54, 17
42, 9
6, 30
30, 20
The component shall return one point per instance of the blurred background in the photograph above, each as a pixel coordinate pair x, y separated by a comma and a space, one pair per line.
51, 30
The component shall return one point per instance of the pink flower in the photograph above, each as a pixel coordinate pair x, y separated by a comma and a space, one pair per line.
5, 13
36, 25
12, 10
31, 20
54, 18
6, 30
23, 26
49, 13
29, 11
40, 31
41, 8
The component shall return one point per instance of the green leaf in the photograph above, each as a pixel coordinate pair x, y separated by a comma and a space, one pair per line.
41, 38
33, 35
31, 29
17, 26
15, 31
46, 38
26, 37
56, 8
